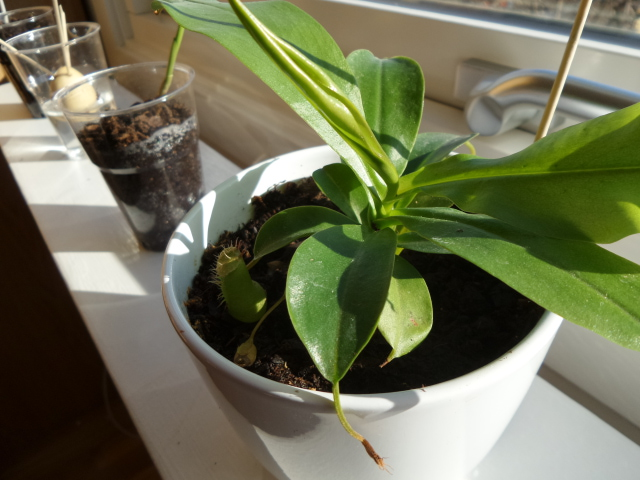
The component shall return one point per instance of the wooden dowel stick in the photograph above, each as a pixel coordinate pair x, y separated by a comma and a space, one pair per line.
56, 13
565, 65
64, 38
62, 32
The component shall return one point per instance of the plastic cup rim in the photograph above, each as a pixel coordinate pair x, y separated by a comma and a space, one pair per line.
91, 78
46, 9
94, 29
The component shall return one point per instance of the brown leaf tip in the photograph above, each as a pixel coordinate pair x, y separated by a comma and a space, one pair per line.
374, 455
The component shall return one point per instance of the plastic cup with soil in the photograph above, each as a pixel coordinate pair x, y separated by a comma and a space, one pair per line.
16, 22
47, 63
145, 146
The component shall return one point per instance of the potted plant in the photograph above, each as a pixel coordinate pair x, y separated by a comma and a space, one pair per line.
532, 219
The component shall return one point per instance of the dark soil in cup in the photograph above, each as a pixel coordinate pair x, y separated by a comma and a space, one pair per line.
477, 318
151, 161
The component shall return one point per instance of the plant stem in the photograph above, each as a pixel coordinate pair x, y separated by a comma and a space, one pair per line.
264, 317
246, 353
563, 72
471, 148
173, 54
345, 424
252, 263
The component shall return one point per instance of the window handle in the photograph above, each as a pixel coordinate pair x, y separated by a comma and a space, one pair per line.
501, 102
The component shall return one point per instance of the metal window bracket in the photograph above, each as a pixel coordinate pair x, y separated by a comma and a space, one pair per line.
498, 98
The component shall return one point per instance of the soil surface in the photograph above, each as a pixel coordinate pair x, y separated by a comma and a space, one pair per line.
477, 318
151, 161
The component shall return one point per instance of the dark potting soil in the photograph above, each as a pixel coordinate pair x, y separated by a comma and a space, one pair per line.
477, 318
151, 161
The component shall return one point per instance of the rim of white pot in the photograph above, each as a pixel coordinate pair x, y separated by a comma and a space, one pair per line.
519, 355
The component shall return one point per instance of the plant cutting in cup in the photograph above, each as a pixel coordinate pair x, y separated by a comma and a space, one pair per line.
533, 219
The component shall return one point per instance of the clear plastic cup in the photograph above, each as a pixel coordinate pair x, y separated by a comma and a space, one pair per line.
145, 146
13, 23
41, 65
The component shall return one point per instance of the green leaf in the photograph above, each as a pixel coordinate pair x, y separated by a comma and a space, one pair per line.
218, 21
423, 200
336, 289
580, 281
580, 183
415, 241
338, 182
346, 118
433, 147
378, 188
392, 91
293, 224
407, 316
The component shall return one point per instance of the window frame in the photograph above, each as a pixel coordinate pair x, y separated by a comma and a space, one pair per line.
598, 58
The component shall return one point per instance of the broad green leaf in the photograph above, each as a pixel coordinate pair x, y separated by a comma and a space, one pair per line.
580, 281
336, 288
392, 91
293, 224
338, 182
218, 21
580, 183
378, 188
415, 241
422, 200
407, 316
346, 118
433, 147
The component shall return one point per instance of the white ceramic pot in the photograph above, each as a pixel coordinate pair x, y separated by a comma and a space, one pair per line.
438, 433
